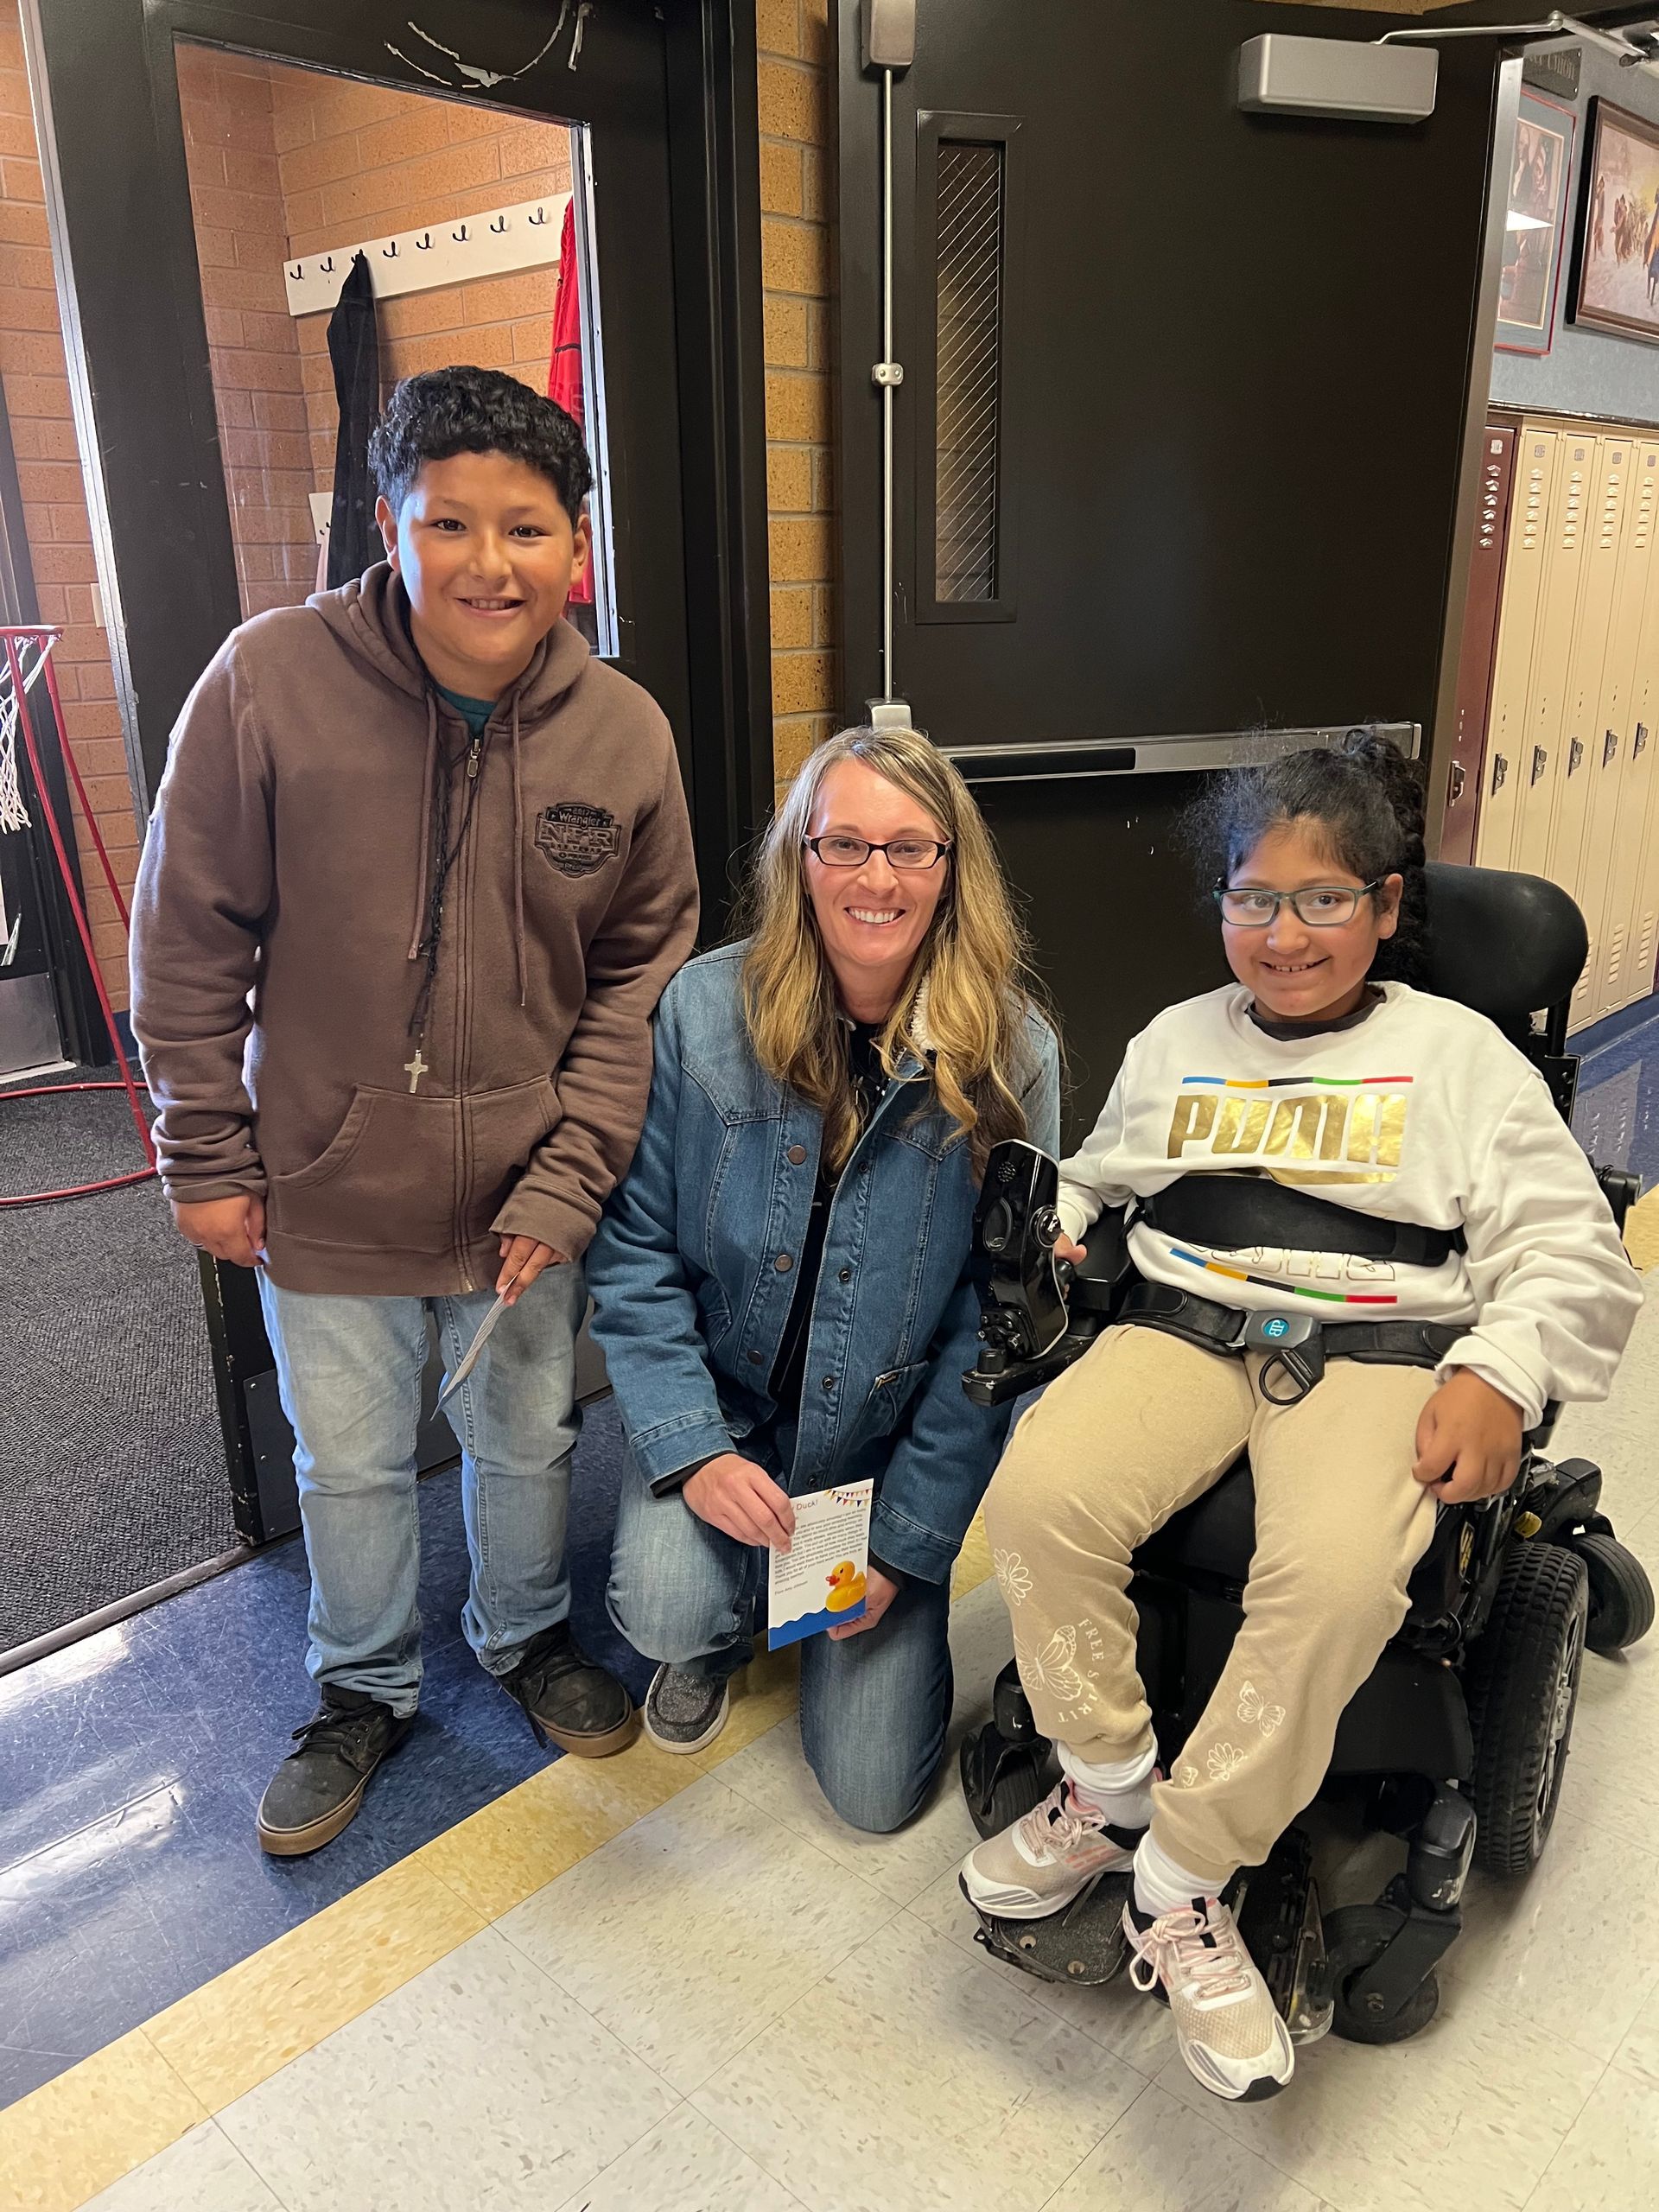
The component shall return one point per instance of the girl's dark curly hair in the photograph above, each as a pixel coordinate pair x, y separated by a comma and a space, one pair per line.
1364, 804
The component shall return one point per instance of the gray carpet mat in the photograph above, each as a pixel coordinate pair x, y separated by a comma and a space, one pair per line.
112, 1465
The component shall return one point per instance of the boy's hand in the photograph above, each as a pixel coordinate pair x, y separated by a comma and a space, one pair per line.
522, 1260
1468, 1440
231, 1228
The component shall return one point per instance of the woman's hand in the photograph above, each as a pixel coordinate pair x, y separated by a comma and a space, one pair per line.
880, 1591
522, 1259
231, 1228
1468, 1440
741, 1500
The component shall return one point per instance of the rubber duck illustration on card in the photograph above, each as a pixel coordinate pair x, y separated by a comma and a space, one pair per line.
845, 1586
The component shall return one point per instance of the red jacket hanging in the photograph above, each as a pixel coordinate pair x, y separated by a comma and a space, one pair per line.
564, 368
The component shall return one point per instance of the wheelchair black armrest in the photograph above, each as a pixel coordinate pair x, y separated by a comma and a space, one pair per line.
1621, 1190
1098, 1286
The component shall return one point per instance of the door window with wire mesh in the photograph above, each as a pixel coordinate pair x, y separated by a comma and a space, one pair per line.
965, 170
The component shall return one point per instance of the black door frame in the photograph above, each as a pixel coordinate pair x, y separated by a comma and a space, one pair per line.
157, 423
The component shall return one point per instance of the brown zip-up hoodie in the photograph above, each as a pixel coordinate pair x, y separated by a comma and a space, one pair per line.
289, 858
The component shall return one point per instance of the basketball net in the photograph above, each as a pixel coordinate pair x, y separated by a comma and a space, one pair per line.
32, 650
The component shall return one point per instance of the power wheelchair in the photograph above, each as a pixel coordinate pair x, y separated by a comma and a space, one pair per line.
1458, 1741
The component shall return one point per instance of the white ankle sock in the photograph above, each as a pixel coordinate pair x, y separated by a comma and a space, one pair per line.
1161, 1885
1121, 1788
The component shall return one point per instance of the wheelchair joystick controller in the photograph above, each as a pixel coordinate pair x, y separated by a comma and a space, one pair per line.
1022, 1285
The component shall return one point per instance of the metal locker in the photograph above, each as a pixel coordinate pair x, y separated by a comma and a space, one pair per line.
1530, 509
1590, 751
1540, 754
1639, 816
1477, 660
1618, 804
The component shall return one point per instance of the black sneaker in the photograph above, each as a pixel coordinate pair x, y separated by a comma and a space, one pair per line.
568, 1697
317, 1790
684, 1710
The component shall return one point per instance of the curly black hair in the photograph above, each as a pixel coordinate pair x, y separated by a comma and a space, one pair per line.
446, 411
1366, 800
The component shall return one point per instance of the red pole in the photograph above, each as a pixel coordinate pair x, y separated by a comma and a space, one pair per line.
14, 661
70, 762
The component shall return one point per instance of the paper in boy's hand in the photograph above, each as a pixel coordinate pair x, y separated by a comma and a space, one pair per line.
473, 1349
818, 1583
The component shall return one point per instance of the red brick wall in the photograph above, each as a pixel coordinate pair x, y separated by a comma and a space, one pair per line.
54, 507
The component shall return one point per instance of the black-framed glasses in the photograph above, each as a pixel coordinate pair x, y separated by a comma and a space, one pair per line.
903, 854
1320, 905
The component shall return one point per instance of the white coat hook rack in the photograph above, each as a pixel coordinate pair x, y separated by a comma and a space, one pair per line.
495, 244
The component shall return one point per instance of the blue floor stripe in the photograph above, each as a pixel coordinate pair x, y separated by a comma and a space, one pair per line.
130, 1765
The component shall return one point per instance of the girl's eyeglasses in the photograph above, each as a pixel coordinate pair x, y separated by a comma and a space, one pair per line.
853, 852
1320, 906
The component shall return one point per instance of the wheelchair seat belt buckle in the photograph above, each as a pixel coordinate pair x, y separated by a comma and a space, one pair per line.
1294, 1344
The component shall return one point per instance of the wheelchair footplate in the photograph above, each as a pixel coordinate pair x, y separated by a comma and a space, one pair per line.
1278, 1910
1280, 1920
1082, 1944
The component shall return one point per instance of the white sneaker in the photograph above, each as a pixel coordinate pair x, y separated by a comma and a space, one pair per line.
1226, 2022
1047, 1858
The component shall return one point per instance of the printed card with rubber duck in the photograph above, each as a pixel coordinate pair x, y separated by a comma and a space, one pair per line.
819, 1582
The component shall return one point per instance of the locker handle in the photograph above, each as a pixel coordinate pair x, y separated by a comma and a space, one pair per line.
1609, 747
1575, 757
1641, 745
1456, 783
1500, 772
1540, 761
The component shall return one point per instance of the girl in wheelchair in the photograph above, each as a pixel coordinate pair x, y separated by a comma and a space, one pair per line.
1470, 1210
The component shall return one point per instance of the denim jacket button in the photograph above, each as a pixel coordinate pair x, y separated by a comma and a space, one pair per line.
782, 1263
829, 1382
796, 1155
846, 1276
755, 1356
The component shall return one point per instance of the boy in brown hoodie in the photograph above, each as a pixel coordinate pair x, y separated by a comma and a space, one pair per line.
418, 870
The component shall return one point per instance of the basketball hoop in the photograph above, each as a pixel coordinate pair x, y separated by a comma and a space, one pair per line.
28, 657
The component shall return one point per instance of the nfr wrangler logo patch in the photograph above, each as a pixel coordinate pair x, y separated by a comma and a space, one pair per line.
578, 839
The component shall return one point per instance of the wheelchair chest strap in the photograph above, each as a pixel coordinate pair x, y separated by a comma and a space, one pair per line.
1241, 1212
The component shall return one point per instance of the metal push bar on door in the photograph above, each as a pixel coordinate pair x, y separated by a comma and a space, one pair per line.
1159, 756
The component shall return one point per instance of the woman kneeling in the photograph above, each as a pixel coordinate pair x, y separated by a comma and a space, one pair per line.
781, 1282
1394, 1105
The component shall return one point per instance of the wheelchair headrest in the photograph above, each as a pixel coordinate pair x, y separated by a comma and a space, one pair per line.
1507, 945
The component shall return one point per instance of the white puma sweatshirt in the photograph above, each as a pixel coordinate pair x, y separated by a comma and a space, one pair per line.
1419, 1112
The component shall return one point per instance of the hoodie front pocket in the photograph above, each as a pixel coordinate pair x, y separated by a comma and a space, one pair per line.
502, 1130
385, 1181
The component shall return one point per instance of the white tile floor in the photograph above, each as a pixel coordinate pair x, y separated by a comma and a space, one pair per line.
739, 2005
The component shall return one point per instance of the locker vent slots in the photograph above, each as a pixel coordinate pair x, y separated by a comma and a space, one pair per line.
971, 195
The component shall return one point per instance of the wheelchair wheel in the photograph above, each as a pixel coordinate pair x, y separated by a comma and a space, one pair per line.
1356, 1936
1522, 1685
1621, 1595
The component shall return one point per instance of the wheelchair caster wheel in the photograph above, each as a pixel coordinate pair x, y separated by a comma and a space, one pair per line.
1356, 1936
1621, 1595
1002, 1781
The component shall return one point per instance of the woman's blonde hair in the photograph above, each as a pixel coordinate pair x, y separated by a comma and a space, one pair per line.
962, 1008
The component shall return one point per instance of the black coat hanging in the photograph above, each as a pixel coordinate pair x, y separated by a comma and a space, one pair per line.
354, 350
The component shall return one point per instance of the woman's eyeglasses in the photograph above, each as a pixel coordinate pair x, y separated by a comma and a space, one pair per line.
903, 854
1320, 906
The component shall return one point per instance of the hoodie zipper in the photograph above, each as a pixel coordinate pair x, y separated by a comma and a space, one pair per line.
464, 1026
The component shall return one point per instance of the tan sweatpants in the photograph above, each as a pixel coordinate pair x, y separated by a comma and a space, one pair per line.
1141, 1425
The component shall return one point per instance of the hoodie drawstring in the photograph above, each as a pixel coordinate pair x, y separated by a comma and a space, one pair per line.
519, 855
417, 929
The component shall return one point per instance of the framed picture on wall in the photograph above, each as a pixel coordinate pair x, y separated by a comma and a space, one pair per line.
1616, 282
1534, 236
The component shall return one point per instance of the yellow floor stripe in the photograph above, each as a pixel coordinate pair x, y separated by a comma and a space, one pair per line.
76, 2135
113, 2111
1642, 1231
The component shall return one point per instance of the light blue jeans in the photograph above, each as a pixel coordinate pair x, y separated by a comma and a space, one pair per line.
873, 1708
349, 1371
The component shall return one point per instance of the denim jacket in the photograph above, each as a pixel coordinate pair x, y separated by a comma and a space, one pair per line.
692, 1275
